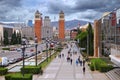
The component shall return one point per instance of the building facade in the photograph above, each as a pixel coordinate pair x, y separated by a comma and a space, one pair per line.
47, 30
38, 25
73, 34
6, 28
107, 37
61, 26
28, 32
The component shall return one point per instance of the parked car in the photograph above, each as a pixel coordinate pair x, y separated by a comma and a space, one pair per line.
19, 50
31, 50
12, 61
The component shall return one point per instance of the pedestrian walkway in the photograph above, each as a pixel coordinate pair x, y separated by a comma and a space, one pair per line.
60, 69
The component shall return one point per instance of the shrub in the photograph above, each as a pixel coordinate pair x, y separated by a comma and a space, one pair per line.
92, 67
45, 50
18, 76
99, 64
31, 69
7, 77
5, 48
3, 71
105, 68
58, 49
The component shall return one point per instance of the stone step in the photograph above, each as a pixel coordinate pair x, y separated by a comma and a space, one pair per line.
112, 74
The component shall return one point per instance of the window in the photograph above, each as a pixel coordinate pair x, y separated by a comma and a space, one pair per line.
37, 16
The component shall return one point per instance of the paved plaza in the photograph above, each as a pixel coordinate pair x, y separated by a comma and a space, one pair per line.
60, 69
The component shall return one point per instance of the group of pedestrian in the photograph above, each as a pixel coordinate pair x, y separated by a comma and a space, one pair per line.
69, 59
69, 56
82, 63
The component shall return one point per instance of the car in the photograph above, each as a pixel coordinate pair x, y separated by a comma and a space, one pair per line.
12, 61
39, 51
19, 50
31, 50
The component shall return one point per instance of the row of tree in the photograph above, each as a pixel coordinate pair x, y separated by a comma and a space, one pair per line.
86, 39
15, 38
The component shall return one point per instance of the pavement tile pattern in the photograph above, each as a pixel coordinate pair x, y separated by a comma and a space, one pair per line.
60, 69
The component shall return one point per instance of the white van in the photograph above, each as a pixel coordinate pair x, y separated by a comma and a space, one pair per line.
4, 61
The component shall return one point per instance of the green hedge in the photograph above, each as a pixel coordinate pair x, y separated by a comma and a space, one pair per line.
3, 71
105, 68
45, 50
31, 69
5, 48
92, 67
18, 76
99, 64
58, 49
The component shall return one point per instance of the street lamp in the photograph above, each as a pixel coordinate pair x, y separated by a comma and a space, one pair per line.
23, 43
51, 47
46, 49
36, 44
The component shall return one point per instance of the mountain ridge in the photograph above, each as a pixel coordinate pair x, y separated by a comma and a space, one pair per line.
71, 23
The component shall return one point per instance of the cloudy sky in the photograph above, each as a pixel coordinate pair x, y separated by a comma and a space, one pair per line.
22, 10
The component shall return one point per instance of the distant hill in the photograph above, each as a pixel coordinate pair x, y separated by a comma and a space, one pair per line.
71, 24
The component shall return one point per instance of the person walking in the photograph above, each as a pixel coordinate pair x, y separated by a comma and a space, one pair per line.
79, 59
83, 69
71, 61
83, 63
77, 62
80, 62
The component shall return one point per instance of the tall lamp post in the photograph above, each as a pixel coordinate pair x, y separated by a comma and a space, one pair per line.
50, 47
46, 49
36, 44
23, 43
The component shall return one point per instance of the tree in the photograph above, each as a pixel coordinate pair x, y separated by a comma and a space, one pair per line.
90, 39
79, 31
6, 40
83, 39
14, 39
83, 36
18, 38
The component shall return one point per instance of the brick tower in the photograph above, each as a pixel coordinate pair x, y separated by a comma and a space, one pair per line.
61, 26
38, 25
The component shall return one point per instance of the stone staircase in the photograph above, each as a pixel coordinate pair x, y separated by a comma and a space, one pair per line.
114, 74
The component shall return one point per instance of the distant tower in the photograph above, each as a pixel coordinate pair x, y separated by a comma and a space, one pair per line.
30, 23
61, 26
38, 25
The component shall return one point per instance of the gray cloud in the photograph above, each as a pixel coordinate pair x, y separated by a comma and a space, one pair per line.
14, 9
7, 6
80, 6
83, 5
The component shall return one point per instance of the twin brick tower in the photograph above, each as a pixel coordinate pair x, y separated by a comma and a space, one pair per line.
38, 26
